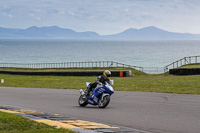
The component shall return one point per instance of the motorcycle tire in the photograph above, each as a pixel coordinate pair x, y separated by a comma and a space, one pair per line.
103, 103
82, 101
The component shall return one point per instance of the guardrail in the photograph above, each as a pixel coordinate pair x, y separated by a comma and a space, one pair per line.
181, 62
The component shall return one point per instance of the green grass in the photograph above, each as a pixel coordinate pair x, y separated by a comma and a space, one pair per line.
160, 83
148, 83
195, 65
163, 83
11, 123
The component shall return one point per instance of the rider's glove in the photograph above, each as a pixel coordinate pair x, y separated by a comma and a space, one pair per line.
100, 83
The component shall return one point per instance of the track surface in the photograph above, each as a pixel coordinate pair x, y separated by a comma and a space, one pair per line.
153, 112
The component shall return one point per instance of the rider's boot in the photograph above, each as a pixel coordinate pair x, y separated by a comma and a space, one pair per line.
87, 93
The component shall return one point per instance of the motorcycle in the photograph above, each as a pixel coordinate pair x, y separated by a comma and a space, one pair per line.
99, 96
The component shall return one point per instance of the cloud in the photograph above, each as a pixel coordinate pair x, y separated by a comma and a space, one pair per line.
7, 15
103, 16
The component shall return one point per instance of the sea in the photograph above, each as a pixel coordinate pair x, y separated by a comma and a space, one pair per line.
158, 53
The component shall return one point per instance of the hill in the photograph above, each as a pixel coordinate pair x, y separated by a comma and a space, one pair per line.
152, 33
54, 32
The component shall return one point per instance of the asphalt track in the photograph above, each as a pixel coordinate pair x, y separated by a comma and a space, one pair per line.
152, 112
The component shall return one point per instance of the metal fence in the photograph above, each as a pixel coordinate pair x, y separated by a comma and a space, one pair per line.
153, 70
58, 65
92, 64
183, 61
101, 64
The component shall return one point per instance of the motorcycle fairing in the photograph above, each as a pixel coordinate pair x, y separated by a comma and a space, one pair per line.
93, 99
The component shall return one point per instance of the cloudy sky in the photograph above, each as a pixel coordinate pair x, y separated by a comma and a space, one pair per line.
102, 16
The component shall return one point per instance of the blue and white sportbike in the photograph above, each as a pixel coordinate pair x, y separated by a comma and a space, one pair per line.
99, 96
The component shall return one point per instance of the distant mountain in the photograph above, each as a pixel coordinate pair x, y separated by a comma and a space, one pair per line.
54, 32
152, 33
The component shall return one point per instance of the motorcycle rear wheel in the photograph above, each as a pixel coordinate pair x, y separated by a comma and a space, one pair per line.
104, 102
82, 101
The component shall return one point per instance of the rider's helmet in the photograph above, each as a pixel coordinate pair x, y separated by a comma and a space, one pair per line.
107, 74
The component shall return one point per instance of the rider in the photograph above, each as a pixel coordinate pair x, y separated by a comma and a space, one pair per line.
100, 80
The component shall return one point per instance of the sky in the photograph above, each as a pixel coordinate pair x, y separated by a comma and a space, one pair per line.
102, 16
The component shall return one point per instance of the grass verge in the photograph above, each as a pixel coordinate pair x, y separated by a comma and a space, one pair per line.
11, 123
163, 83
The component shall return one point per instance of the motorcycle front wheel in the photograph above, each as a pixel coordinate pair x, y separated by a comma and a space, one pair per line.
82, 101
103, 102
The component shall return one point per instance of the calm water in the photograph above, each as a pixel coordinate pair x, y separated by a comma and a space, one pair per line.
139, 53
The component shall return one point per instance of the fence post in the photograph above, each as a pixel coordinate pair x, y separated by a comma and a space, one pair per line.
196, 59
185, 60
181, 62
